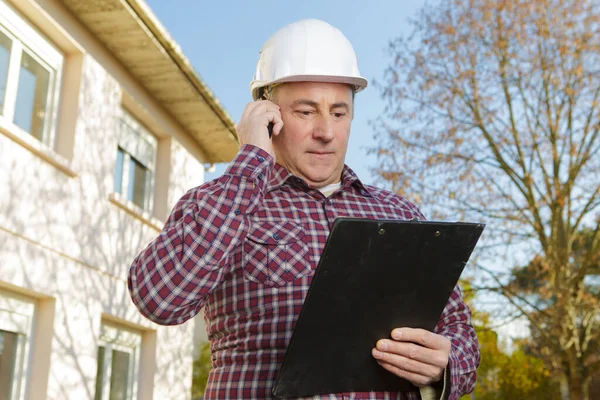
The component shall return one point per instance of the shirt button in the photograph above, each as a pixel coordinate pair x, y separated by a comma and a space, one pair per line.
261, 158
238, 211
276, 236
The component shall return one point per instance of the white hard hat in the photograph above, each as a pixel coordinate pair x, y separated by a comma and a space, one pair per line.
307, 50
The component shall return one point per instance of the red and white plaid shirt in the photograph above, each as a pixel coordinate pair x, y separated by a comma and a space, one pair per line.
244, 247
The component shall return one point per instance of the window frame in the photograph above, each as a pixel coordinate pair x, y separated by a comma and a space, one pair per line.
16, 315
26, 38
128, 159
113, 337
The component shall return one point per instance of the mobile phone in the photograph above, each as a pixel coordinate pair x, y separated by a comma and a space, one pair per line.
271, 124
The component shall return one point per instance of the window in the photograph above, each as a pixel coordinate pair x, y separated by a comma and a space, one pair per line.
16, 316
5, 47
30, 70
118, 359
135, 165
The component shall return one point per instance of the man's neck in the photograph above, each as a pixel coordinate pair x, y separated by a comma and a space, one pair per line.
328, 190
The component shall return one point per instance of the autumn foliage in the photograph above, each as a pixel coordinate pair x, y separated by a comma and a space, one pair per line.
494, 115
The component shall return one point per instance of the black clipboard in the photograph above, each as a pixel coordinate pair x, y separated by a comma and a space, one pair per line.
373, 276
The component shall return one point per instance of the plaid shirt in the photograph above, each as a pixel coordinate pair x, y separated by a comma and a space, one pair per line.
244, 247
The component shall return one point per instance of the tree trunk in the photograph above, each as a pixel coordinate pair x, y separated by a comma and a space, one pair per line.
575, 393
586, 388
564, 388
576, 388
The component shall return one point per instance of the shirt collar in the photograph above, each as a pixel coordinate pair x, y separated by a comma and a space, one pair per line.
281, 176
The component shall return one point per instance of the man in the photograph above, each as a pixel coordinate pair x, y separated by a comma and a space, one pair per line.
245, 245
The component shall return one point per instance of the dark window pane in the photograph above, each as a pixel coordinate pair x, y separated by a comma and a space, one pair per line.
119, 171
136, 140
119, 375
5, 46
8, 362
32, 96
100, 373
138, 175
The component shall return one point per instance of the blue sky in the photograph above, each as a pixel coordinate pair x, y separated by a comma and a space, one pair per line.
222, 40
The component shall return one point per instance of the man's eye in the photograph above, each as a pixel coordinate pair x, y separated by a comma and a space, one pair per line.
305, 113
339, 115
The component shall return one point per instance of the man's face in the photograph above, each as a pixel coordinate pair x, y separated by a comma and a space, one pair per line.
316, 128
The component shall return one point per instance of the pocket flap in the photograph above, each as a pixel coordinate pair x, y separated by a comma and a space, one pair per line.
274, 233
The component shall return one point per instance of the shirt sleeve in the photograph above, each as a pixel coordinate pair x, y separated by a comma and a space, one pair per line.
455, 324
170, 279
437, 391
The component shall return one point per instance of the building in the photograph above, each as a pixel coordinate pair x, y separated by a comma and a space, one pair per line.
103, 126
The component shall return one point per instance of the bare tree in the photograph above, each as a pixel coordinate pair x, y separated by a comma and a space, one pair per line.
494, 113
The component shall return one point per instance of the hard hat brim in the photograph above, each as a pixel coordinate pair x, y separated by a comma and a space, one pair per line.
358, 83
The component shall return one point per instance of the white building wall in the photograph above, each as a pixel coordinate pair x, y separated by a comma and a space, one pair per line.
65, 244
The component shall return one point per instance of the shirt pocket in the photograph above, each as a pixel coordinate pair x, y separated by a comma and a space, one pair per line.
275, 253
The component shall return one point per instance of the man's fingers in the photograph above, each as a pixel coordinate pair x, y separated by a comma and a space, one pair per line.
408, 364
253, 126
275, 118
414, 352
422, 337
256, 107
277, 127
262, 106
416, 379
248, 109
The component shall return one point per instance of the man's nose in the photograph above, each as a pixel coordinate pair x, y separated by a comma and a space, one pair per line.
323, 128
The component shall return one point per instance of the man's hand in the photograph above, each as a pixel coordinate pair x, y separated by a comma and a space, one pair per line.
416, 355
256, 117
